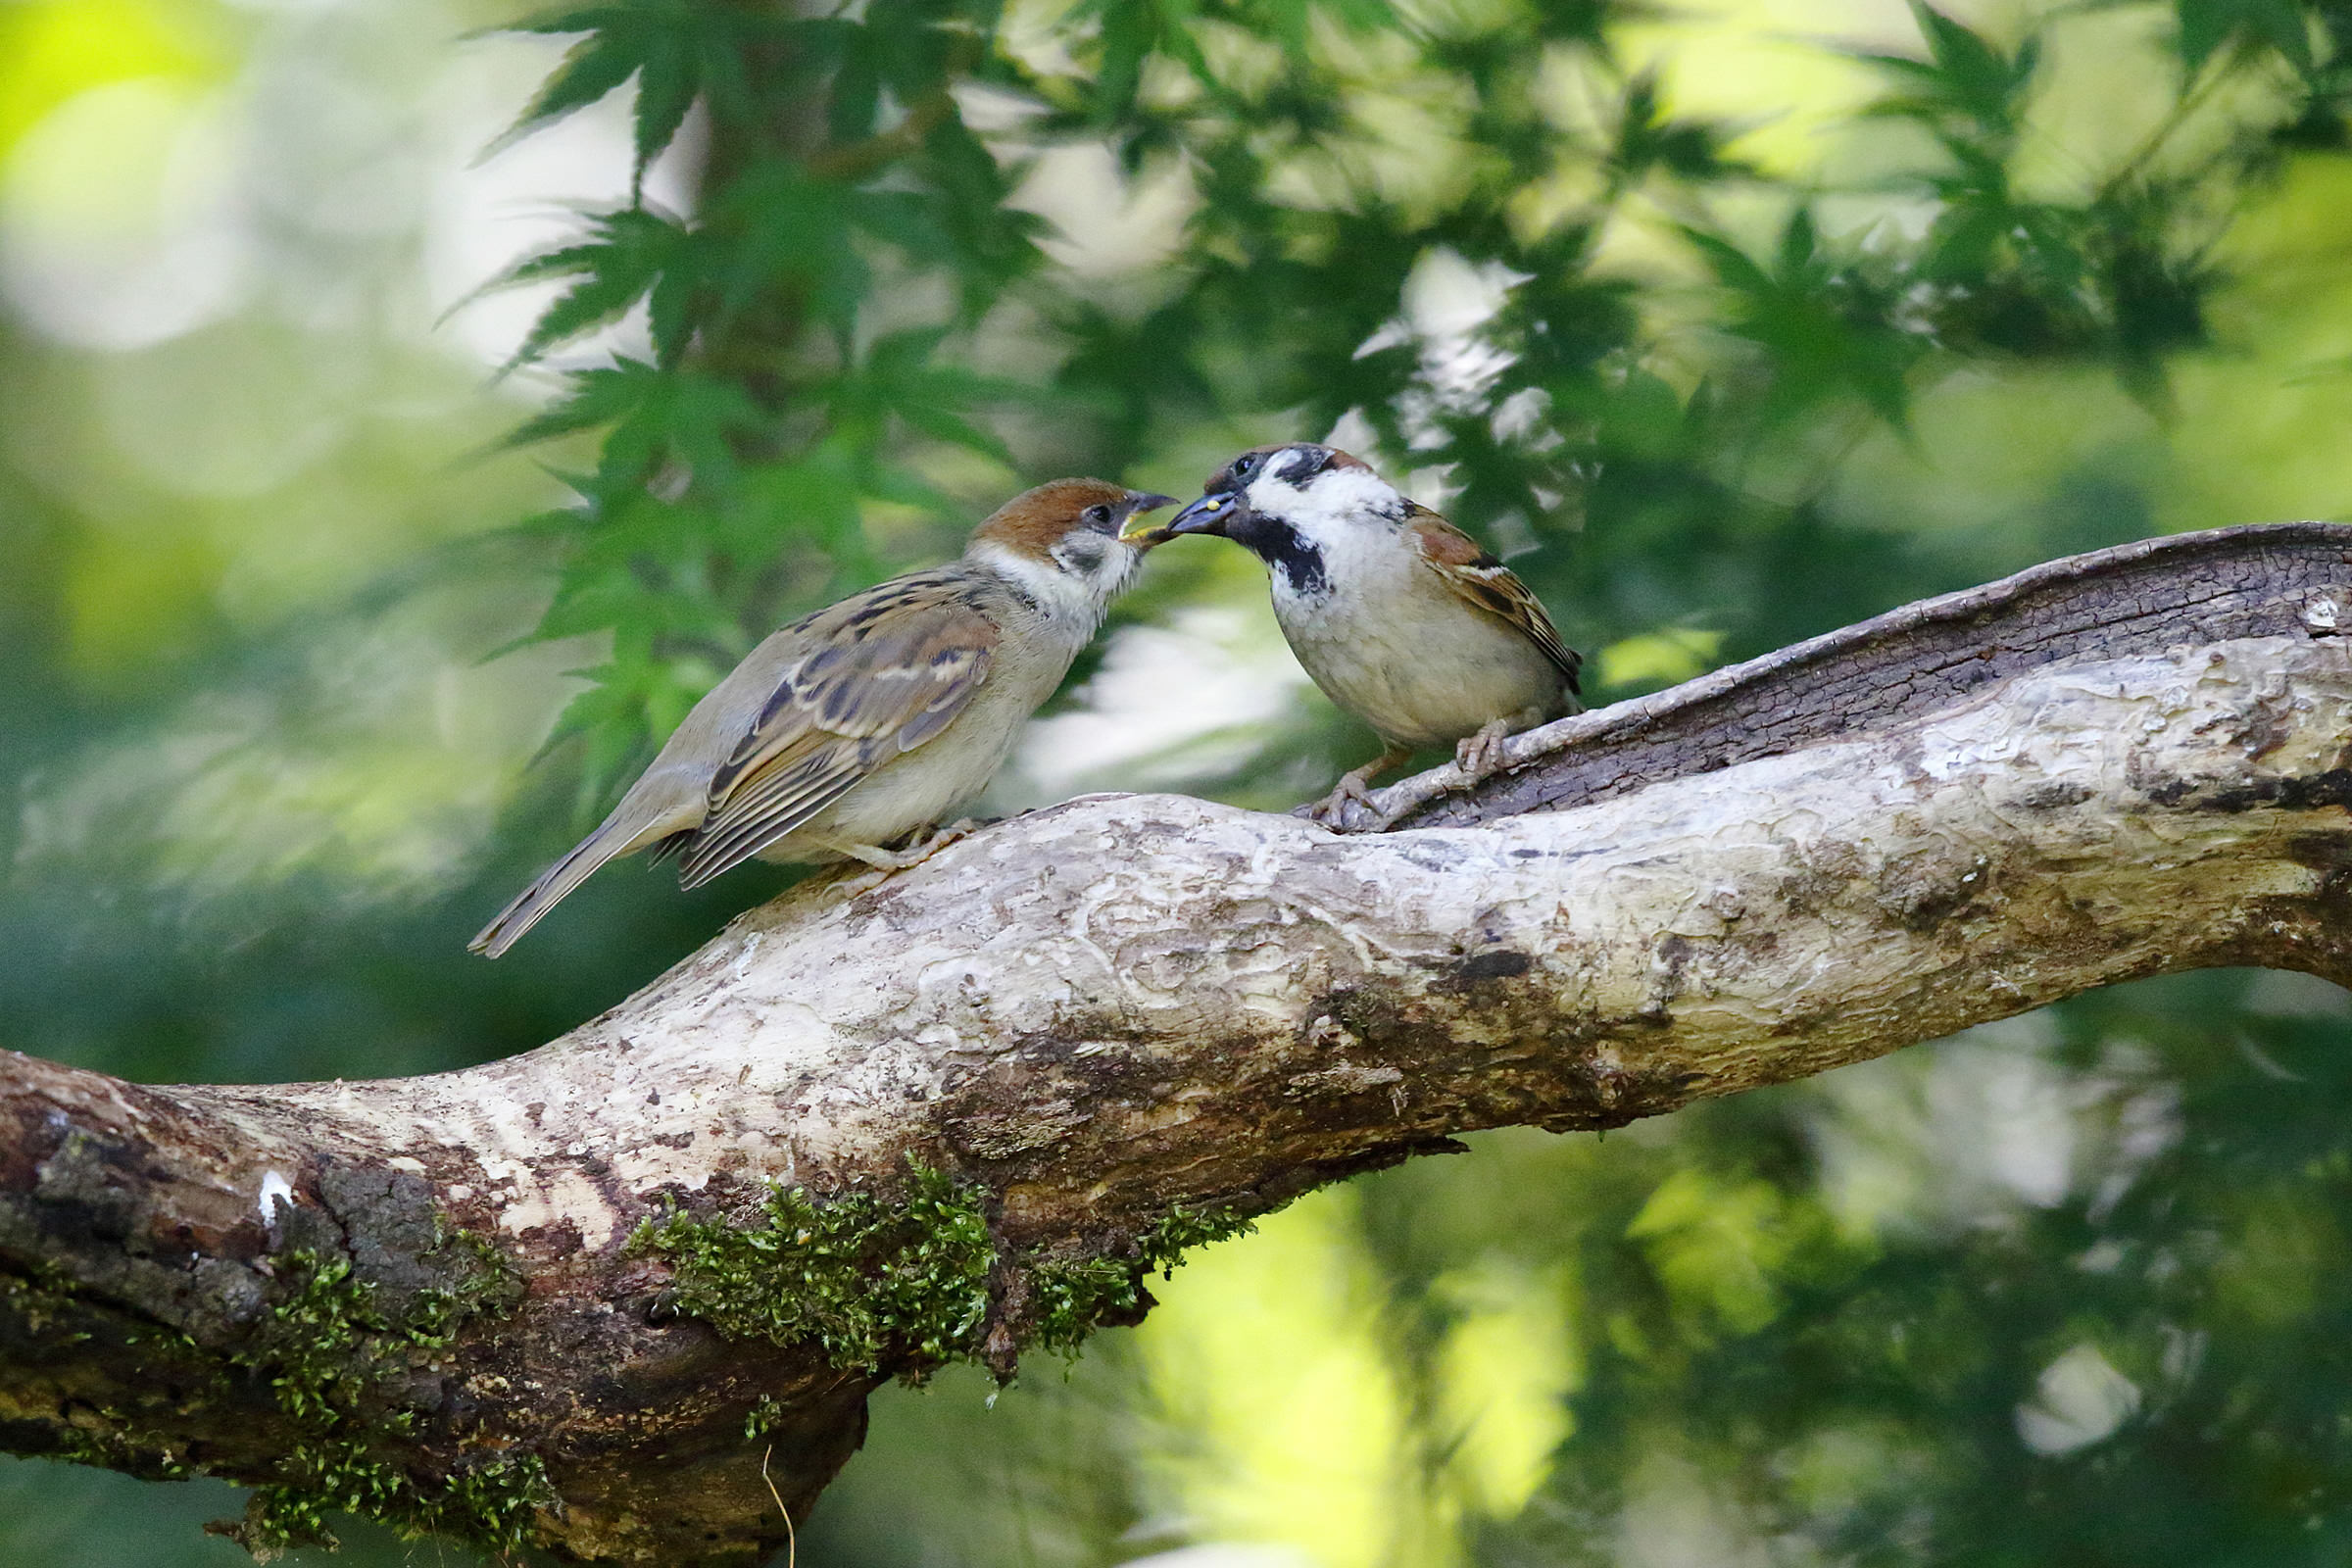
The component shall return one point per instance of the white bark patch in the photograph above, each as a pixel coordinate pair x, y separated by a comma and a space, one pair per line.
275, 1189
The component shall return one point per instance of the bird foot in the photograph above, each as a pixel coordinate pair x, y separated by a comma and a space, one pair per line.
1480, 757
1332, 809
885, 864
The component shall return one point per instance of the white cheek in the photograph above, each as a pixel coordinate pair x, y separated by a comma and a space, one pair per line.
1105, 572
1349, 514
1335, 499
1108, 576
1066, 593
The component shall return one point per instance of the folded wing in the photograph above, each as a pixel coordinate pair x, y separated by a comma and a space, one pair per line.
1480, 579
885, 671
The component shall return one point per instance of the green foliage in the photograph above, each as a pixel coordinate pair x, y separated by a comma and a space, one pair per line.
328, 1339
331, 1351
789, 414
763, 1418
1070, 1298
489, 1505
1860, 1383
315, 1330
483, 1283
786, 398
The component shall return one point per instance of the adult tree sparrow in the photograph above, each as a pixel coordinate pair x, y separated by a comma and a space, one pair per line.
856, 726
1397, 614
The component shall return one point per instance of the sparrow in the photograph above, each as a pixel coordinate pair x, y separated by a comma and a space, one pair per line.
1395, 613
855, 727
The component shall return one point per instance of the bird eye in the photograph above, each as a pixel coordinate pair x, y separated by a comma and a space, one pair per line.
1098, 514
1245, 464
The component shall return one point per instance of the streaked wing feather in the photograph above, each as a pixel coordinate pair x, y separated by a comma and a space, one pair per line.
779, 800
903, 656
888, 671
1478, 578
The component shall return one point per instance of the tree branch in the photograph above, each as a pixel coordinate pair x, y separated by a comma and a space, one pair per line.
1016, 1077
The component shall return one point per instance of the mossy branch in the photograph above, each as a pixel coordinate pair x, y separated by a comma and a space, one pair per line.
594, 1298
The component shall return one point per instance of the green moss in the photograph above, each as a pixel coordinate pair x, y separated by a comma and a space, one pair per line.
766, 1416
42, 1294
117, 1447
330, 1338
483, 1283
1180, 1230
332, 1350
859, 1275
336, 1352
312, 1344
278, 1520
490, 1504
863, 1277
495, 1503
1069, 1300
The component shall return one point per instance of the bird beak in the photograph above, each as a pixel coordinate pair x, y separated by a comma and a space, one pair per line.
1211, 513
1141, 534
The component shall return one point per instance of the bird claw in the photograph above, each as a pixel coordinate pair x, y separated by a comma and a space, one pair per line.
855, 883
1331, 810
964, 827
1481, 757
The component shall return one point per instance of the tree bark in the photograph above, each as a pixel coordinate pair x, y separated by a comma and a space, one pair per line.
546, 1299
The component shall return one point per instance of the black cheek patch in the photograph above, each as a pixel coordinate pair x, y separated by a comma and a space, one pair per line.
1285, 549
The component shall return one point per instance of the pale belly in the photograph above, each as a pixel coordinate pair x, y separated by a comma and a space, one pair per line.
1428, 677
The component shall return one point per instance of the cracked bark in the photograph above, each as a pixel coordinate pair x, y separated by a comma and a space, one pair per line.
2116, 766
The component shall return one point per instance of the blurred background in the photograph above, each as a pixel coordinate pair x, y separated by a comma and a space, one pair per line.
402, 420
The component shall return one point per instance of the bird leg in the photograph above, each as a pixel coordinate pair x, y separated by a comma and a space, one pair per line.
887, 863
1480, 756
1331, 810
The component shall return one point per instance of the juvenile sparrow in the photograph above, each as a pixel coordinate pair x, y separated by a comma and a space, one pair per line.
1397, 614
860, 724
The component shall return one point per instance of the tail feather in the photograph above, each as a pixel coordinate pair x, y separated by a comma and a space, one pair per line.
507, 927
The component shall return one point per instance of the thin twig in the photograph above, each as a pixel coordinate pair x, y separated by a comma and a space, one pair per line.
792, 1539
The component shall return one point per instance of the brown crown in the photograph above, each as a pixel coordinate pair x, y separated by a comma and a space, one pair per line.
1035, 521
